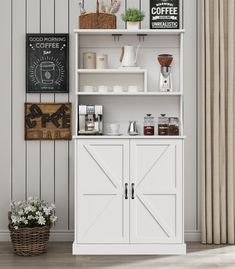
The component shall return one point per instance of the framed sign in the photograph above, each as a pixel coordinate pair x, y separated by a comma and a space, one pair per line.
47, 63
164, 14
48, 121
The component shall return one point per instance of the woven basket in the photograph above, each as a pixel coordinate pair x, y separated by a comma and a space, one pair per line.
97, 21
30, 241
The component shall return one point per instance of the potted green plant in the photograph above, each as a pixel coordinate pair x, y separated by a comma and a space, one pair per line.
30, 222
132, 17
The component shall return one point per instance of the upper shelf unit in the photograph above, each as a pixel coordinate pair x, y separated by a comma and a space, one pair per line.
127, 104
127, 32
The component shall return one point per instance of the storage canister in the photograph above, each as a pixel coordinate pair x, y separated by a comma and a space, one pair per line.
173, 126
102, 61
89, 60
149, 125
163, 125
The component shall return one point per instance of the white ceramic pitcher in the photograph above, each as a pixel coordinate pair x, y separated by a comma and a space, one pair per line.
129, 56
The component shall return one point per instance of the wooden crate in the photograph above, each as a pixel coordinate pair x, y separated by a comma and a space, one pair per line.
97, 21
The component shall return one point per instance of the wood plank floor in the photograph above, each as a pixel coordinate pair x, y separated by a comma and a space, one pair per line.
59, 256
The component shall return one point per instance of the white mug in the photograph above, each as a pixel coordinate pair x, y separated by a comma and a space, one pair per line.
103, 88
88, 88
118, 88
133, 88
113, 128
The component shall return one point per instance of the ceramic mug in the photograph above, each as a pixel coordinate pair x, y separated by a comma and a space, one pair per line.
88, 88
118, 88
113, 128
133, 88
103, 88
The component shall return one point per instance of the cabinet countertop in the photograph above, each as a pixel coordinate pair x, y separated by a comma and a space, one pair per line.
127, 137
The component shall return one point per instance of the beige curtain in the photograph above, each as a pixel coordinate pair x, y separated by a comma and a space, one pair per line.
217, 115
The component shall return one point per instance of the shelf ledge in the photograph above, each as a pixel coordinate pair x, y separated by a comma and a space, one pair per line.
127, 32
127, 137
129, 94
113, 71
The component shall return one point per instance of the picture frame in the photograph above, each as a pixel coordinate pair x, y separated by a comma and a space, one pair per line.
47, 63
165, 14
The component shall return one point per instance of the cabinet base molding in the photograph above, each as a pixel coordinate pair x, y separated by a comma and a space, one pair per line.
129, 249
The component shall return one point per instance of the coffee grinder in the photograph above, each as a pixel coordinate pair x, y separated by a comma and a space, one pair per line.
165, 79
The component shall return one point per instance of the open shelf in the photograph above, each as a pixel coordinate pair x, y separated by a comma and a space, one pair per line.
123, 106
112, 71
137, 76
127, 32
129, 94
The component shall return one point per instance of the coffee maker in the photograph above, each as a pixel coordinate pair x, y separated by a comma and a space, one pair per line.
165, 80
90, 120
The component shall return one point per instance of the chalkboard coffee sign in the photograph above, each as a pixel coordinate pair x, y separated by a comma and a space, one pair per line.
47, 63
164, 14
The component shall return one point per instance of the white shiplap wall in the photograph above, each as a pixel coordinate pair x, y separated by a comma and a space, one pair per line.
45, 169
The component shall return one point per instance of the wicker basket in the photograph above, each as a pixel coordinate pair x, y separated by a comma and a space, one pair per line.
30, 241
97, 21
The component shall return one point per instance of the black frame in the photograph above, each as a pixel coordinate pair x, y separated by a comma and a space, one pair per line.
163, 3
39, 88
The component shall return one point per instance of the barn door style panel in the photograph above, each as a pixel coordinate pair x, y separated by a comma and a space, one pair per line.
156, 186
102, 206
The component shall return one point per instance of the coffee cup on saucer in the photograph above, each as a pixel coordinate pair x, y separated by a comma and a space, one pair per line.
133, 88
118, 88
88, 88
113, 128
103, 88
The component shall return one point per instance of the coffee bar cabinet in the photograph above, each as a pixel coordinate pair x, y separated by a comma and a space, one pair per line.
129, 190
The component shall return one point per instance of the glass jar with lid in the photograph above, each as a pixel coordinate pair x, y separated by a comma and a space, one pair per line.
163, 125
173, 126
149, 125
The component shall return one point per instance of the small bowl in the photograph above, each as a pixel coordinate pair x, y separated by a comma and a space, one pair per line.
165, 59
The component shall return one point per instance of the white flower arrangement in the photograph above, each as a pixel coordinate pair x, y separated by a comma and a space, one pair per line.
32, 213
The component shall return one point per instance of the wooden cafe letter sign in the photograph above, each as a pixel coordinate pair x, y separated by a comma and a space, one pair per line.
47, 121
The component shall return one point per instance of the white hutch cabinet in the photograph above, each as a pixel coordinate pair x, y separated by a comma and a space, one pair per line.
129, 191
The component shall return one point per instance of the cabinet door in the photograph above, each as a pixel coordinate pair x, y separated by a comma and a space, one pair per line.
102, 170
156, 171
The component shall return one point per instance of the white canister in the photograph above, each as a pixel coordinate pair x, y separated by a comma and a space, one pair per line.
89, 60
102, 61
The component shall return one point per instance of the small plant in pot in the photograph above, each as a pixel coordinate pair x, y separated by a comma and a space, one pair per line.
133, 17
30, 222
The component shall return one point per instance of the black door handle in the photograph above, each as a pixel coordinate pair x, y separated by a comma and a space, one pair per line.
132, 191
126, 191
